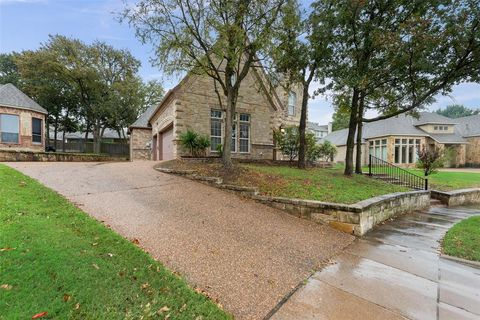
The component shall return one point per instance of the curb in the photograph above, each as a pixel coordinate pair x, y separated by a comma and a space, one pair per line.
475, 264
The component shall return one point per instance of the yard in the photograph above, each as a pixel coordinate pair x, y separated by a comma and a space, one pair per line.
55, 259
463, 239
445, 180
320, 184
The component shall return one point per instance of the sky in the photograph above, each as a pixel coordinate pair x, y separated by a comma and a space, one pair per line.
25, 24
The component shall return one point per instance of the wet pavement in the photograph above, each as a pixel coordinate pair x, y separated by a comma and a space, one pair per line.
394, 272
245, 255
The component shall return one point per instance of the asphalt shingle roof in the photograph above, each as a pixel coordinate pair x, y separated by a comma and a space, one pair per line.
142, 121
401, 125
11, 96
469, 126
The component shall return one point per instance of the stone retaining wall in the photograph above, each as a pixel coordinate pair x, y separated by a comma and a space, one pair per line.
457, 197
355, 218
11, 155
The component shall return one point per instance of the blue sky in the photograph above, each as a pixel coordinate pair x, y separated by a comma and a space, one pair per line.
24, 24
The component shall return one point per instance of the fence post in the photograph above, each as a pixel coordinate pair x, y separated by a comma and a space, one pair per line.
426, 184
370, 165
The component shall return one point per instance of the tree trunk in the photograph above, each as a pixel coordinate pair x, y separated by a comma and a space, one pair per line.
351, 134
55, 131
302, 147
96, 138
227, 141
63, 141
358, 160
47, 135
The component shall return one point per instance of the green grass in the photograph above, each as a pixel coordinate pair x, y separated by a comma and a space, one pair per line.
463, 239
445, 181
54, 258
317, 184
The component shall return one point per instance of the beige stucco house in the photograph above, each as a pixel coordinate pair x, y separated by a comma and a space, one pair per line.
193, 104
22, 121
396, 140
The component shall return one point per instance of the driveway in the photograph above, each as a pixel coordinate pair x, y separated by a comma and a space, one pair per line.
395, 272
244, 255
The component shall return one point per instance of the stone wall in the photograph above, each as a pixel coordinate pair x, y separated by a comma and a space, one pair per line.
12, 155
25, 139
473, 152
458, 197
140, 143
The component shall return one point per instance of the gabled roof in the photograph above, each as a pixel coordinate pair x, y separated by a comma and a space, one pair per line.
317, 127
469, 126
433, 118
142, 121
11, 96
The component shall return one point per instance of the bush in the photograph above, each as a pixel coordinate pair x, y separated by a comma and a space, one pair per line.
327, 151
194, 143
429, 160
288, 141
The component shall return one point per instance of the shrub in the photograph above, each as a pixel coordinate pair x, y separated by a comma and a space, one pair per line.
327, 151
194, 143
429, 160
288, 141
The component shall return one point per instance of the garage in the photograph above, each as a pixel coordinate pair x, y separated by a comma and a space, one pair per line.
167, 144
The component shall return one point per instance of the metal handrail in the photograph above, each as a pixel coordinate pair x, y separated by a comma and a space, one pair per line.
393, 174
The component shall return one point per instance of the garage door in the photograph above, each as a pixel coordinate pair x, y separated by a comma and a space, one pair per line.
167, 144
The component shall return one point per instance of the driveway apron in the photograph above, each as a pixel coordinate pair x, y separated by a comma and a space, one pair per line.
244, 255
394, 272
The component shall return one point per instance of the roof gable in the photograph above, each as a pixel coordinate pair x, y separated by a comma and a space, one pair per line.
11, 96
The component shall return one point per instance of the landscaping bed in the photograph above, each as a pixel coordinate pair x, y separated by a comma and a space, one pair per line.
463, 239
58, 262
321, 184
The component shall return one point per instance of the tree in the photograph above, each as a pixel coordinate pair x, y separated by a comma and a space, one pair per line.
395, 56
429, 160
152, 94
8, 70
300, 52
220, 39
288, 141
341, 114
457, 111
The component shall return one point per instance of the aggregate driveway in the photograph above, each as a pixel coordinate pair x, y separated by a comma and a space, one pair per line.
243, 254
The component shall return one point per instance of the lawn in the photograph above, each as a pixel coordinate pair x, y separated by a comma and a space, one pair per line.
54, 258
320, 184
445, 181
463, 239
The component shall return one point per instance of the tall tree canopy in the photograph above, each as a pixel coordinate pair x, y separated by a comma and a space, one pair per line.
300, 52
221, 39
457, 111
395, 56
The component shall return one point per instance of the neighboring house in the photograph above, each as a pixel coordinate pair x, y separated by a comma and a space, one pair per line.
320, 131
397, 139
193, 104
22, 121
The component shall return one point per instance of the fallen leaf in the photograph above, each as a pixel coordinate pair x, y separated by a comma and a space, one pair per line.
145, 285
163, 309
95, 266
6, 286
66, 297
110, 255
7, 249
22, 184
94, 244
39, 315
135, 241
77, 306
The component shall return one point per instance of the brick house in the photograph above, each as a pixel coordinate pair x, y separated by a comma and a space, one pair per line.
22, 121
397, 139
193, 104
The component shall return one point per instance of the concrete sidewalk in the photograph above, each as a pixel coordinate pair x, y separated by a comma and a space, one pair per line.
394, 272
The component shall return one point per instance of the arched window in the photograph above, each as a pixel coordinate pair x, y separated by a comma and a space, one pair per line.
292, 102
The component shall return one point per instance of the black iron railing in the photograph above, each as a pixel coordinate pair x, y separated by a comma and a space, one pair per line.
378, 168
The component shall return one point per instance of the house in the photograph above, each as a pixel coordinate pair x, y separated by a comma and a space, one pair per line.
193, 104
397, 139
320, 131
22, 121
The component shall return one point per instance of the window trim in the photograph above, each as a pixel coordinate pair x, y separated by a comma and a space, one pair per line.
19, 129
41, 131
237, 122
405, 145
294, 94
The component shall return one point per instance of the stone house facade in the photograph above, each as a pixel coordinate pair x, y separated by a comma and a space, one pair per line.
397, 140
193, 104
22, 121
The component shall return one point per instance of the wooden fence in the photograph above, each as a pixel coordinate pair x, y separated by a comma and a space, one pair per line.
111, 149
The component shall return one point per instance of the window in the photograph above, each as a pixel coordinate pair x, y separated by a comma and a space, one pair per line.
435, 128
378, 148
215, 129
244, 139
36, 130
9, 128
292, 102
240, 131
406, 150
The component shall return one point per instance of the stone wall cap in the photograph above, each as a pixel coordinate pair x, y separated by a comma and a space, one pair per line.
457, 192
386, 197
